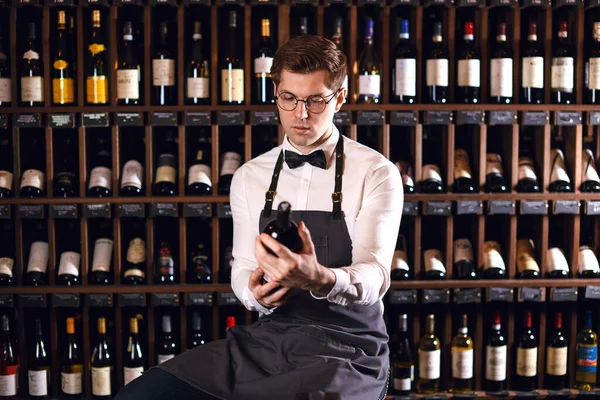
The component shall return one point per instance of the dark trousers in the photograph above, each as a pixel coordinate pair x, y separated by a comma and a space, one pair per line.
158, 384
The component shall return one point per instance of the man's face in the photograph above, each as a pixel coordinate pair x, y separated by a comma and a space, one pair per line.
307, 130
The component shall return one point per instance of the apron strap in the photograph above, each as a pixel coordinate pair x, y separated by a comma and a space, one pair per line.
336, 196
270, 194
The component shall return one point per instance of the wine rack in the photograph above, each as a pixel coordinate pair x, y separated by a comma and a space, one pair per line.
390, 128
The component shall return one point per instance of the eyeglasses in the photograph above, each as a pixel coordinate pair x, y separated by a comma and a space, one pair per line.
315, 104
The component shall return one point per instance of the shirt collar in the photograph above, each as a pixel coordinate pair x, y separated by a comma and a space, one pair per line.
328, 146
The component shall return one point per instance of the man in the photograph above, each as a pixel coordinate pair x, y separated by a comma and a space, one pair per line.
321, 327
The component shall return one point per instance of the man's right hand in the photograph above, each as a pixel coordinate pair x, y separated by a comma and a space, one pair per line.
270, 294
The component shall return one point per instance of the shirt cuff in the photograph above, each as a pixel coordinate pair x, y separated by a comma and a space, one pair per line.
342, 282
255, 304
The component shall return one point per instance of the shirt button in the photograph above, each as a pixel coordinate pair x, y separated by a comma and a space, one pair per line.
305, 180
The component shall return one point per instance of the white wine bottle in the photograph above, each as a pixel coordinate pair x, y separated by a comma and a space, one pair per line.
102, 365
71, 370
430, 358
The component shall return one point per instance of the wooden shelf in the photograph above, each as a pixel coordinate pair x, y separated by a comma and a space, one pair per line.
542, 394
500, 283
117, 200
185, 288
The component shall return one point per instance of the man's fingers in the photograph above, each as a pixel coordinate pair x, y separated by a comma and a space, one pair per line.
277, 298
255, 278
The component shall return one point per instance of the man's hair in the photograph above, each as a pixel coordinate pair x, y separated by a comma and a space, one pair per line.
309, 53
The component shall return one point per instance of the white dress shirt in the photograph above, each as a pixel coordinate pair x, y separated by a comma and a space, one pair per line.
372, 203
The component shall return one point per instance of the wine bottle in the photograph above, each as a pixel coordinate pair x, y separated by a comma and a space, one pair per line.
102, 365
403, 368
37, 264
102, 256
232, 67
462, 360
338, 39
563, 68
38, 365
226, 264
71, 373
166, 347
165, 265
265, 93
494, 173
532, 65
587, 267
197, 71
430, 355
586, 351
593, 68
199, 181
556, 357
400, 269
163, 70
559, 179
100, 181
493, 263
132, 178
437, 68
229, 322
464, 265
463, 179
9, 362
5, 79
65, 182
68, 267
469, 81
433, 263
528, 182
303, 25
527, 266
6, 160
165, 182
128, 70
63, 84
230, 162
369, 69
7, 254
283, 229
404, 72
558, 267
496, 357
590, 181
135, 261
196, 339
501, 69
33, 180
96, 79
200, 271
32, 72
431, 179
527, 353
133, 365
405, 169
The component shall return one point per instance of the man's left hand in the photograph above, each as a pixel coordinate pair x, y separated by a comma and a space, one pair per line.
294, 270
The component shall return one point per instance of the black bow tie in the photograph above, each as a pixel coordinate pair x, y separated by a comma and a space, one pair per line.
316, 158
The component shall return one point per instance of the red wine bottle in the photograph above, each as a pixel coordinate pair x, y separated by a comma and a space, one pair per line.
283, 229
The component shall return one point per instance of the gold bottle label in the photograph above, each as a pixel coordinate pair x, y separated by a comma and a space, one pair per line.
525, 256
136, 253
63, 91
97, 89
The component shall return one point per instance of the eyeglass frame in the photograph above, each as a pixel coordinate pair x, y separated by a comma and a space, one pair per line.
331, 97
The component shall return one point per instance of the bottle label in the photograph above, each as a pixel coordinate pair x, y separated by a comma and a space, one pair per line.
431, 172
134, 272
563, 74
433, 260
132, 174
262, 65
462, 168
96, 48
501, 76
101, 385
468, 73
136, 252
587, 260
588, 167
128, 84
63, 90
5, 92
369, 85
163, 72
6, 180
165, 262
96, 88
164, 357
69, 263
429, 364
101, 177
527, 362
559, 172
132, 373
587, 358
491, 256
8, 385
33, 178
38, 257
32, 88
38, 383
557, 260
71, 383
437, 72
232, 85
594, 73
197, 88
463, 250
525, 256
231, 162
400, 260
199, 173
495, 364
6, 266
526, 170
493, 164
31, 55
533, 72
402, 384
405, 169
166, 171
462, 363
406, 77
556, 364
103, 251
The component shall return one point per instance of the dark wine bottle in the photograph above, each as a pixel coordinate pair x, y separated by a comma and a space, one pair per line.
38, 365
494, 173
6, 162
563, 68
199, 270
5, 76
9, 362
199, 182
166, 347
7, 253
165, 182
283, 229
128, 70
338, 39
230, 162
469, 80
404, 72
403, 368
400, 269
134, 363
588, 266
33, 164
232, 67
527, 266
32, 72
37, 264
196, 339
556, 356
528, 182
165, 264
437, 68
134, 265
163, 70
431, 176
593, 68
197, 71
496, 357
132, 178
433, 258
532, 65
103, 255
501, 69
527, 355
66, 182
68, 267
265, 93
463, 179
100, 181
493, 263
464, 264
559, 178
558, 267
590, 181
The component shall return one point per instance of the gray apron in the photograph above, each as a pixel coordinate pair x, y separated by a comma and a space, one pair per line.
306, 345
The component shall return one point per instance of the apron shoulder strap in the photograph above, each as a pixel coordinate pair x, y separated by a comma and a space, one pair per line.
270, 194
336, 196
